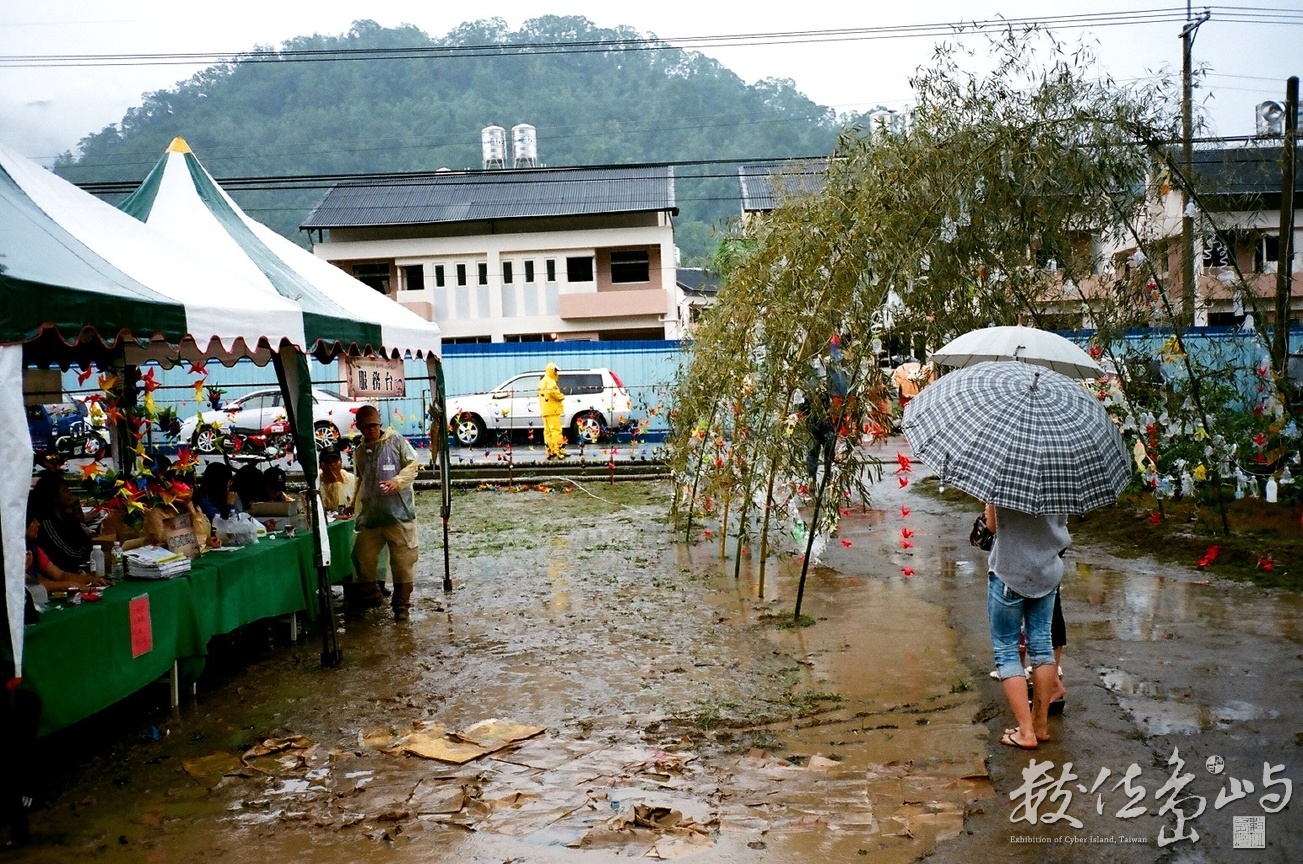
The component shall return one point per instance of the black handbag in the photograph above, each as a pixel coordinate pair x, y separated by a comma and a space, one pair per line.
981, 536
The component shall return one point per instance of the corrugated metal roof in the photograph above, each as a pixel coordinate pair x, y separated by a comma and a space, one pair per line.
474, 196
765, 185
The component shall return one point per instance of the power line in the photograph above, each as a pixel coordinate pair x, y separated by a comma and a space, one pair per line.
1164, 15
565, 174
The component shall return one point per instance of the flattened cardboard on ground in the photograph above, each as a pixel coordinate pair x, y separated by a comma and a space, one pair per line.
442, 748
213, 767
480, 739
268, 746
494, 734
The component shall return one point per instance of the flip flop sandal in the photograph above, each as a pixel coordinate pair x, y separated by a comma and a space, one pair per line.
1009, 741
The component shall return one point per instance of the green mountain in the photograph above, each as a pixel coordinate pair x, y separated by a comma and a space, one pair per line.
591, 102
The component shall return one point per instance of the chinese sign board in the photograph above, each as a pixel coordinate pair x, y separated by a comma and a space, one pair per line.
374, 377
1044, 799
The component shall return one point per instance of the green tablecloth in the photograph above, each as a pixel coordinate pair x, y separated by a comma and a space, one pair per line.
79, 658
341, 534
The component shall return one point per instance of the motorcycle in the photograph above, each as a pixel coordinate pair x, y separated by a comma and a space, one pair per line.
270, 442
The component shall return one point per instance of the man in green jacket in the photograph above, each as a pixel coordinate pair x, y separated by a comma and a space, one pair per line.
386, 467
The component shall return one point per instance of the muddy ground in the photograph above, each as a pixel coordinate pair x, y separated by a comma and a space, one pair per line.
660, 708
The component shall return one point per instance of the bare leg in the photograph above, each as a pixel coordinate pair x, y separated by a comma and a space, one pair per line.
1059, 690
1015, 690
1044, 680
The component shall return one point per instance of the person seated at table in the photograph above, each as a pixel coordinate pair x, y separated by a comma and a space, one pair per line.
250, 486
338, 487
42, 571
161, 522
274, 485
216, 494
62, 535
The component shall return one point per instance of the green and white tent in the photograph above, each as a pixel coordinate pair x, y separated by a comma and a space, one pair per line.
182, 201
79, 279
340, 314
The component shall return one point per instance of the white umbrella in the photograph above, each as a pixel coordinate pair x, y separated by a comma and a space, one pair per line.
1025, 344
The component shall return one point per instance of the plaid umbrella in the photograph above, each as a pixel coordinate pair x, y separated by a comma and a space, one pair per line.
1020, 437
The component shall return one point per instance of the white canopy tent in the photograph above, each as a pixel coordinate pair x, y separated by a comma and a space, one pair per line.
80, 279
340, 314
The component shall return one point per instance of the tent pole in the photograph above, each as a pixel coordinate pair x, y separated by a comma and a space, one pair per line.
439, 451
296, 392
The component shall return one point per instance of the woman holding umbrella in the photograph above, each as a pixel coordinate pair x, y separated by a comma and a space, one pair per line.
1026, 567
1037, 447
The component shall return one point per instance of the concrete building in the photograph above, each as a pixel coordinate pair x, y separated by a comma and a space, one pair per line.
515, 255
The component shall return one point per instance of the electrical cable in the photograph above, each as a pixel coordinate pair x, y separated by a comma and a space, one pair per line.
1164, 15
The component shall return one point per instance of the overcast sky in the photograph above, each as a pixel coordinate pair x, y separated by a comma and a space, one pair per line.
46, 111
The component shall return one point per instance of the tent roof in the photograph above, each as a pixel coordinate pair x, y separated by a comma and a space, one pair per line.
74, 269
181, 200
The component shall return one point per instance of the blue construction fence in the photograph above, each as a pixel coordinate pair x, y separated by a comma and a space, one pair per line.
1219, 348
646, 368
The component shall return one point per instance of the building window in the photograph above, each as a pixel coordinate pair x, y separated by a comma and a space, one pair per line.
373, 275
483, 269
630, 266
414, 277
1216, 253
525, 337
438, 275
551, 269
1266, 253
506, 273
466, 340
579, 269
529, 271
461, 274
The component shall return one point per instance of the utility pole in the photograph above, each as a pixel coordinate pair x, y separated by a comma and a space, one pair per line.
1285, 246
1188, 292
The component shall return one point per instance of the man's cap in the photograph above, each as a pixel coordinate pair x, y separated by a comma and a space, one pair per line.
367, 414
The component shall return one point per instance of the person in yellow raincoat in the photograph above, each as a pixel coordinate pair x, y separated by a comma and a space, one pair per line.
550, 408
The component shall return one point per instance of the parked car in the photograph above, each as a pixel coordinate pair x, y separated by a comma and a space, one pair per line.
596, 403
332, 419
65, 430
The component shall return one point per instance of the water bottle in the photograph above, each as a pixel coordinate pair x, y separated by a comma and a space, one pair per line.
97, 561
118, 563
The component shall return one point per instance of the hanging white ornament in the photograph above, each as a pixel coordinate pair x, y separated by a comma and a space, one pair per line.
1271, 490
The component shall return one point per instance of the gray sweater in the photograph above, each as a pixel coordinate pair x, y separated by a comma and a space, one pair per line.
1026, 551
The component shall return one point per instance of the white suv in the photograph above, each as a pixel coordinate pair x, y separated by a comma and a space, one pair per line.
596, 403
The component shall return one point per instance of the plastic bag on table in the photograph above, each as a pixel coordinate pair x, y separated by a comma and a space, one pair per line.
238, 529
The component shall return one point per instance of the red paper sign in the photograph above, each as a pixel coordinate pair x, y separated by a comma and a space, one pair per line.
142, 627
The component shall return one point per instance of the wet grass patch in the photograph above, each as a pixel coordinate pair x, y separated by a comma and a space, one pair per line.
784, 621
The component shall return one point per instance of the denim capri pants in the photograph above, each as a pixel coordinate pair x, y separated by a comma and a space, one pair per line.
1008, 613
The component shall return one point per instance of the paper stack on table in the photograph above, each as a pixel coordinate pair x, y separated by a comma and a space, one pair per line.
156, 562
